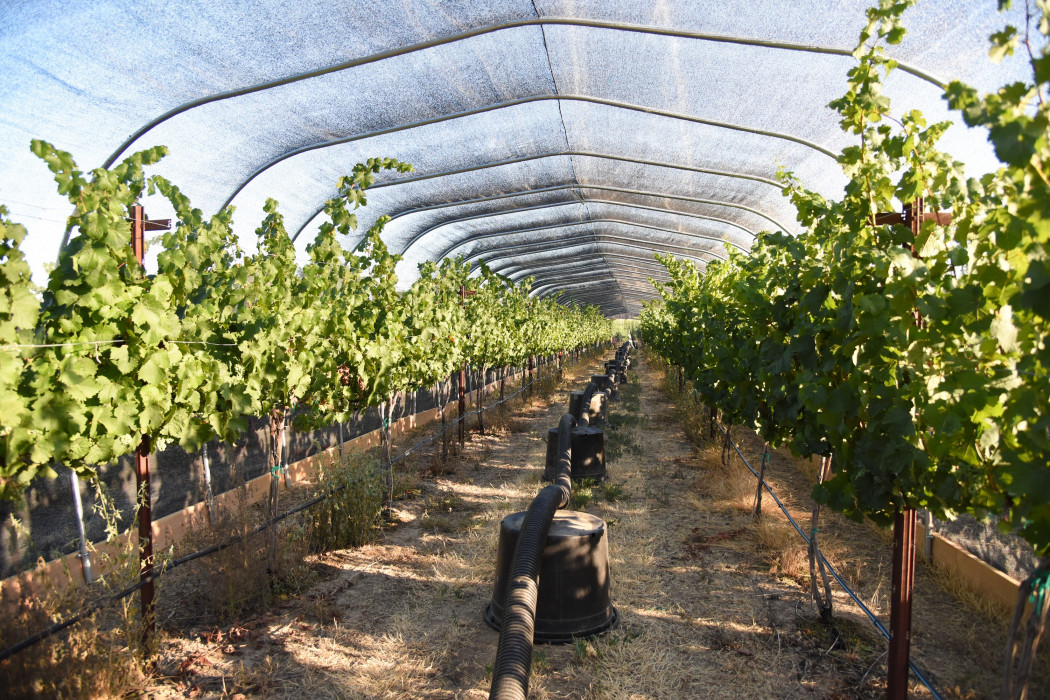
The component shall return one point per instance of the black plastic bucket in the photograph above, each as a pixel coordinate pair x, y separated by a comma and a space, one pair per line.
573, 599
602, 381
599, 408
588, 455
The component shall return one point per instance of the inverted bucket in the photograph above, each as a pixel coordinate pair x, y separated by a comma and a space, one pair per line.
599, 410
602, 381
573, 598
588, 455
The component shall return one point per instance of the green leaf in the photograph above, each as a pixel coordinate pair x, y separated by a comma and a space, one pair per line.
1004, 43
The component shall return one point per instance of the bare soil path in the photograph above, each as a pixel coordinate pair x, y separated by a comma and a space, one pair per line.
712, 604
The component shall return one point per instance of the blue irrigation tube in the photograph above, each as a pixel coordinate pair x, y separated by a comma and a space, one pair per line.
871, 616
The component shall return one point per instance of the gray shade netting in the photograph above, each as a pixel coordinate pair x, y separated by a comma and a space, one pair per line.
672, 118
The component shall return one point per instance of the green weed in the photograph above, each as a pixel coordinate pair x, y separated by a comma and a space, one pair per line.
611, 492
347, 518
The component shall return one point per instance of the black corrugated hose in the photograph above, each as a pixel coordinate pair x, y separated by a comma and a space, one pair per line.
510, 676
585, 407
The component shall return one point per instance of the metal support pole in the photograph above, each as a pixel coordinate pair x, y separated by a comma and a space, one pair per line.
904, 523
482, 384
138, 232
757, 510
444, 405
927, 526
463, 294
85, 556
900, 613
285, 457
209, 495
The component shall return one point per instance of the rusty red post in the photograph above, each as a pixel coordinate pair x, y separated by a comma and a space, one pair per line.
900, 613
903, 583
463, 294
462, 401
142, 476
142, 485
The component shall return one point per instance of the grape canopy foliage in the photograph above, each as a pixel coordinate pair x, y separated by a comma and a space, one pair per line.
920, 362
107, 354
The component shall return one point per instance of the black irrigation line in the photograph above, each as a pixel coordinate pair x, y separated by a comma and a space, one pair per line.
871, 616
200, 554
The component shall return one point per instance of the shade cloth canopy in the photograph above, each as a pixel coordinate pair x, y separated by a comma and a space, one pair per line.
566, 140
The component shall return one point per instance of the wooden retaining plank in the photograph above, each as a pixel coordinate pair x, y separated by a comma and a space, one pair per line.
983, 578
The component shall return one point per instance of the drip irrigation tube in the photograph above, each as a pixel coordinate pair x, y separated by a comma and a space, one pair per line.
871, 616
510, 674
159, 571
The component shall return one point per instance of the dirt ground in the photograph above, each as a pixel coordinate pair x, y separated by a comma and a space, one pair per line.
712, 603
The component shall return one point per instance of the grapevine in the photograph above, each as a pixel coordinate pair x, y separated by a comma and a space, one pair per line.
920, 364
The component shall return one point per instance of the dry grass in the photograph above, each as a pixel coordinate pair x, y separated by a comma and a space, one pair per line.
497, 419
101, 656
401, 617
723, 485
349, 515
962, 652
965, 593
780, 546
237, 581
225, 585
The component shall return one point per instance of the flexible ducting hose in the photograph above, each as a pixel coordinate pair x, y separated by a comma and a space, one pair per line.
585, 408
510, 675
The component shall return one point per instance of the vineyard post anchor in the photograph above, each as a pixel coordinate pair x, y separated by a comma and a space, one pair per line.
285, 456
145, 518
386, 412
482, 385
757, 510
462, 402
445, 398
